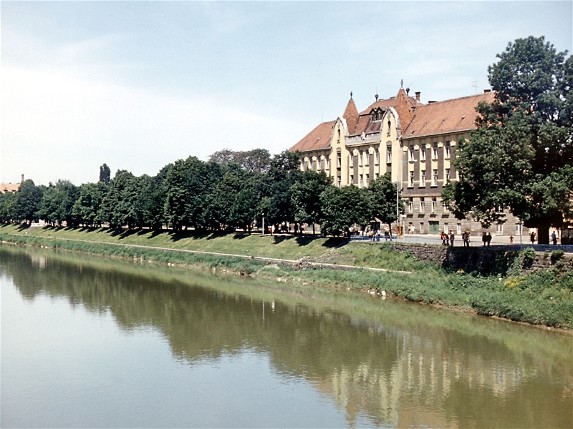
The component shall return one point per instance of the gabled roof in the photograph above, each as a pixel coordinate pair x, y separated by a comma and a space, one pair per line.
318, 138
450, 116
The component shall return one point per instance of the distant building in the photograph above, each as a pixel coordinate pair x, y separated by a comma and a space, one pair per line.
414, 142
11, 187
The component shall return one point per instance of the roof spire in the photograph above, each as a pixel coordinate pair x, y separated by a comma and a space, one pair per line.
401, 83
351, 95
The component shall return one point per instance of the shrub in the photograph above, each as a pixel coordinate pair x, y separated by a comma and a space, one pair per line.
556, 255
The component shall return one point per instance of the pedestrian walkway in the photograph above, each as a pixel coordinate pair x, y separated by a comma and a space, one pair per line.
475, 241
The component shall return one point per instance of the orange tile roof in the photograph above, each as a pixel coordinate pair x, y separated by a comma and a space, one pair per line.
351, 116
318, 138
448, 116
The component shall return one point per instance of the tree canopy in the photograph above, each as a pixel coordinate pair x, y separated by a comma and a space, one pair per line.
520, 157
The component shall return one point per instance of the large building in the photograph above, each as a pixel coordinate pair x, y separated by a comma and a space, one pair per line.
414, 142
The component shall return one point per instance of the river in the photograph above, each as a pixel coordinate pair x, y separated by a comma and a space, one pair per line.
91, 342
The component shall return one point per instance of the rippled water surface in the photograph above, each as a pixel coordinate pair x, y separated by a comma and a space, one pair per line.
95, 343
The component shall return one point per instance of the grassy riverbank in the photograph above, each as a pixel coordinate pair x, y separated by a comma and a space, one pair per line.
541, 298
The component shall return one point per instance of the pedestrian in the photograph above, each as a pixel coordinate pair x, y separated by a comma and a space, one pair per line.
511, 239
467, 239
554, 238
452, 237
488, 238
484, 238
532, 236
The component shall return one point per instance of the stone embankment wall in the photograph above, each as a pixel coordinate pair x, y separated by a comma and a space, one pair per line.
485, 260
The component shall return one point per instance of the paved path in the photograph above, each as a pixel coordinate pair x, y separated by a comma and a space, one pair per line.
496, 242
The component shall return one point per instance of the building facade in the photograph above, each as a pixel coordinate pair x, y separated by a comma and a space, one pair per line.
414, 142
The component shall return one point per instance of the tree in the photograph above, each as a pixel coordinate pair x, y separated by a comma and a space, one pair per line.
256, 160
384, 196
7, 202
305, 197
87, 206
283, 173
57, 203
119, 203
520, 157
344, 207
27, 201
104, 174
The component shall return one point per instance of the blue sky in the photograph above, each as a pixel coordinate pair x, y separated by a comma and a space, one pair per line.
138, 85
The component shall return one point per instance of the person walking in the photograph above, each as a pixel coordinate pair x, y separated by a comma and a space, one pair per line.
452, 237
532, 236
554, 238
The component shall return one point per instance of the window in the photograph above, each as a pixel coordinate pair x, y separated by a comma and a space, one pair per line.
445, 207
412, 153
389, 155
361, 181
423, 153
376, 157
434, 150
365, 154
350, 161
327, 163
447, 174
338, 161
499, 229
448, 149
435, 177
411, 179
422, 205
338, 181
389, 127
411, 205
434, 205
352, 179
366, 179
422, 178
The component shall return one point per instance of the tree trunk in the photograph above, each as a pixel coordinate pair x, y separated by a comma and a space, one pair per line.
543, 234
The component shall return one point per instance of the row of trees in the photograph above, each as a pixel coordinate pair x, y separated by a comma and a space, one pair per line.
231, 191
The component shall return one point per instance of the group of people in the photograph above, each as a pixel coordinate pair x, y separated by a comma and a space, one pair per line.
449, 238
486, 238
376, 235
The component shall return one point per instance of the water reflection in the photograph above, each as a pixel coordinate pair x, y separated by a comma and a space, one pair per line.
400, 365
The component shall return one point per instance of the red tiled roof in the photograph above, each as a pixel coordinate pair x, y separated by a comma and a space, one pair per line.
458, 114
351, 116
317, 139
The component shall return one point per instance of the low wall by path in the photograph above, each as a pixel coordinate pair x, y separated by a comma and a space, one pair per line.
485, 260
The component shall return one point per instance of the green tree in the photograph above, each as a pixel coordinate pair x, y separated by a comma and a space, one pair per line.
305, 197
385, 199
104, 174
120, 202
520, 157
344, 207
27, 202
57, 203
283, 173
87, 205
7, 202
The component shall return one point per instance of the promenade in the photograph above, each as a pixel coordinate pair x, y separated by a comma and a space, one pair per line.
497, 241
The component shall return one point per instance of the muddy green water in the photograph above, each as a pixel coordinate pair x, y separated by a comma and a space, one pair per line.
87, 342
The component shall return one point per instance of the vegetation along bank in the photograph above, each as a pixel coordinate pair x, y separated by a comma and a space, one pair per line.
503, 283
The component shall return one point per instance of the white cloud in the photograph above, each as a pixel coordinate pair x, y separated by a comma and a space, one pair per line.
59, 126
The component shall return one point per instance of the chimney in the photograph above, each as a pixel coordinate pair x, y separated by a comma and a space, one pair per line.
418, 95
485, 91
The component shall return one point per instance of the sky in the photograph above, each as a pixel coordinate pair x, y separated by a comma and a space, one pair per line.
140, 84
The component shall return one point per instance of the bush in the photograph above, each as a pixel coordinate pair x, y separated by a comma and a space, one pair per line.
556, 255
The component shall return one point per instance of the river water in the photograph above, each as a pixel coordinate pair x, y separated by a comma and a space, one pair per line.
90, 342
